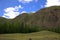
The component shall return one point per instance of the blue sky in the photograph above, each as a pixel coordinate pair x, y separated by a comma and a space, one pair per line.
12, 8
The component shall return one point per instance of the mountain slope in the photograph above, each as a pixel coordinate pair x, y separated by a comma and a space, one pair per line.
46, 18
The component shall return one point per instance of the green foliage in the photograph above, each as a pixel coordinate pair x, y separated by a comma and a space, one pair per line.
17, 28
55, 29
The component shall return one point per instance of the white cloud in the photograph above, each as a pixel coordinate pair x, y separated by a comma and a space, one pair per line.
11, 15
24, 1
27, 1
52, 3
23, 12
33, 12
11, 12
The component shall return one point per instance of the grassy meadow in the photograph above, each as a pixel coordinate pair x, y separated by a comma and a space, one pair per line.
42, 35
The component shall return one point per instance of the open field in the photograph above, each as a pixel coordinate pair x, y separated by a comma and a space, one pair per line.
43, 35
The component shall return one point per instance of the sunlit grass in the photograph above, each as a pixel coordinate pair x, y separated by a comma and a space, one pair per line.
43, 35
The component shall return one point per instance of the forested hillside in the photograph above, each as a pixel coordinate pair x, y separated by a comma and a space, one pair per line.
44, 19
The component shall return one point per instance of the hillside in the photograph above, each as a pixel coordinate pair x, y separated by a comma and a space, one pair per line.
44, 19
47, 17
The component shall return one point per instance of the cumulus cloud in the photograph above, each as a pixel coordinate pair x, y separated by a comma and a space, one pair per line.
12, 12
23, 12
27, 1
52, 3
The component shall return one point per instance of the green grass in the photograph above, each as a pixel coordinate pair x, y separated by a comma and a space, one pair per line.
43, 35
